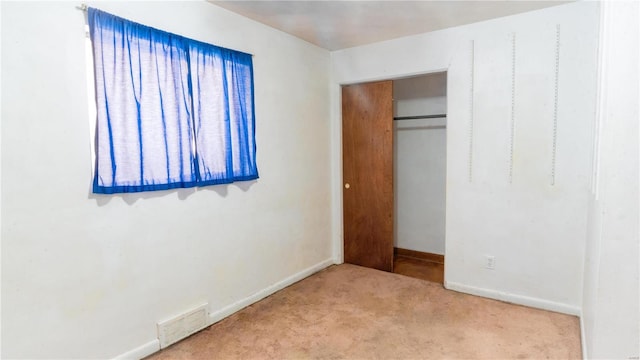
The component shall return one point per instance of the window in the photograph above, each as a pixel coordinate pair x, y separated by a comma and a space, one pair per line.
171, 112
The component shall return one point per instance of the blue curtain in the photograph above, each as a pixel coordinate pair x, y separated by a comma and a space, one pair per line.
172, 112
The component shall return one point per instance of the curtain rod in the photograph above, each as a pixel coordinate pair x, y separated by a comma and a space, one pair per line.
84, 7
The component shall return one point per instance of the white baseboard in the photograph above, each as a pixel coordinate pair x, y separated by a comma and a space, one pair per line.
154, 346
515, 299
216, 316
141, 351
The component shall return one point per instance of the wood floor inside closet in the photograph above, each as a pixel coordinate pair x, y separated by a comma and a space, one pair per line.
419, 265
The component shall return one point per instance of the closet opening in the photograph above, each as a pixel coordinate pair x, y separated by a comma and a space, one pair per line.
394, 171
419, 171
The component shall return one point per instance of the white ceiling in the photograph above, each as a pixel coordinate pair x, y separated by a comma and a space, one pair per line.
336, 25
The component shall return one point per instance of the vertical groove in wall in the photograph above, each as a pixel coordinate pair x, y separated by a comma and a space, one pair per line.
513, 105
555, 108
601, 97
471, 112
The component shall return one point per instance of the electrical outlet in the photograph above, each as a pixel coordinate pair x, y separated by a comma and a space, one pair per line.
490, 262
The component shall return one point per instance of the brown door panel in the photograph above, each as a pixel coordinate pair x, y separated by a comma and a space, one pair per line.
367, 147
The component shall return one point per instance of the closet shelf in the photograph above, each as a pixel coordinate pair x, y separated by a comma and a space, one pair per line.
434, 116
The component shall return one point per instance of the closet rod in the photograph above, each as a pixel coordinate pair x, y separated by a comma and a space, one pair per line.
435, 116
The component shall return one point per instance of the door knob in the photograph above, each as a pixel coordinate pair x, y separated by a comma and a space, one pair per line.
346, 186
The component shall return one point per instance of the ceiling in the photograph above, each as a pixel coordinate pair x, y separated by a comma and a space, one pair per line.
336, 25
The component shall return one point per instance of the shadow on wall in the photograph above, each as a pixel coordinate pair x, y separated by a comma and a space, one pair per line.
131, 198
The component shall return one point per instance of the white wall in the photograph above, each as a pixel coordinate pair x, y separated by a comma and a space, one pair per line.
535, 229
420, 95
420, 163
611, 321
89, 277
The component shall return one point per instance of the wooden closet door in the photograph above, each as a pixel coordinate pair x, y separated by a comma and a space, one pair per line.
367, 151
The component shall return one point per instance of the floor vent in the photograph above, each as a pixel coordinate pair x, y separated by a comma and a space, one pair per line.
183, 325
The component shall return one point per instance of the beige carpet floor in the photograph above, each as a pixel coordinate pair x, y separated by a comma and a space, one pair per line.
351, 312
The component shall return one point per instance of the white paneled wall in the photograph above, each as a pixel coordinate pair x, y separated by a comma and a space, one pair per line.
611, 311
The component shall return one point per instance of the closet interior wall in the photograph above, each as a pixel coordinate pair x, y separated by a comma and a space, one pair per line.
420, 163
